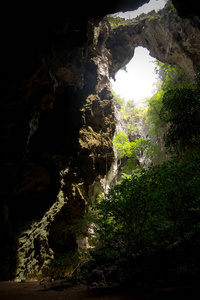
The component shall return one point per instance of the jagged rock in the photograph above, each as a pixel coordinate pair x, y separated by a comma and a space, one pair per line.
168, 38
78, 154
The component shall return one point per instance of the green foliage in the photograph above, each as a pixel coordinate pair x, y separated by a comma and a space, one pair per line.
84, 227
121, 144
169, 107
157, 206
133, 150
119, 101
114, 20
173, 9
62, 265
154, 105
150, 17
147, 148
67, 264
152, 208
170, 75
181, 109
134, 120
133, 116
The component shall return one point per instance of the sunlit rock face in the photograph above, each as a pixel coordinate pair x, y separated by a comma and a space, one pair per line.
168, 38
57, 125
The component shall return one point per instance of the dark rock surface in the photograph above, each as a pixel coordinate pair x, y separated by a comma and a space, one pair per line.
56, 113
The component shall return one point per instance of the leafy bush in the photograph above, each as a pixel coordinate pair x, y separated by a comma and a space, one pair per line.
153, 120
181, 109
118, 100
170, 77
133, 150
115, 20
152, 208
133, 117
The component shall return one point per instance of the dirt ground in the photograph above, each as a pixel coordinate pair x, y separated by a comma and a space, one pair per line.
34, 291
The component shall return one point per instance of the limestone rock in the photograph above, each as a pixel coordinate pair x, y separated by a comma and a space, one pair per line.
70, 132
168, 38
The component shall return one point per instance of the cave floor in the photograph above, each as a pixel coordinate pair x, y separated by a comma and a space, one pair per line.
32, 290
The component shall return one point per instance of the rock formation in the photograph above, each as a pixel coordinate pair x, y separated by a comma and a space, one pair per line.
57, 119
168, 38
57, 129
79, 99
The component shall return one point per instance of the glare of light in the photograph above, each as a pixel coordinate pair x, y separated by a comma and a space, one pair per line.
146, 8
139, 81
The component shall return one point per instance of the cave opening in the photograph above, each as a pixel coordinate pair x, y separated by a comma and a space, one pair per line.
137, 80
144, 9
140, 43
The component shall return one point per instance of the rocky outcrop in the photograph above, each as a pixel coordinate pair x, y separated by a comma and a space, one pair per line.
71, 129
57, 147
168, 38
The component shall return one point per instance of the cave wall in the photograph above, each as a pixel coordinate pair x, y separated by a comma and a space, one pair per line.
66, 127
57, 123
56, 128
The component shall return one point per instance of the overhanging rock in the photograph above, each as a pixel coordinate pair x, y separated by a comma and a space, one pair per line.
168, 38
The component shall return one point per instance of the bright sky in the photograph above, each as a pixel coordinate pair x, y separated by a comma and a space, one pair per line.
138, 82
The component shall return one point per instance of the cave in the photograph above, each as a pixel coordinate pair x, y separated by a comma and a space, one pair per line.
58, 118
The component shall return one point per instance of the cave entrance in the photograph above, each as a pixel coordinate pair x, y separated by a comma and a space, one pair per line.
137, 80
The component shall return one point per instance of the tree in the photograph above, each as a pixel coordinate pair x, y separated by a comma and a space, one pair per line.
133, 117
153, 119
173, 112
152, 208
169, 75
121, 144
181, 110
118, 100
132, 151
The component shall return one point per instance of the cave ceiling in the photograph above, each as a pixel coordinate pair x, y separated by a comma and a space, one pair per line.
27, 30
168, 38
